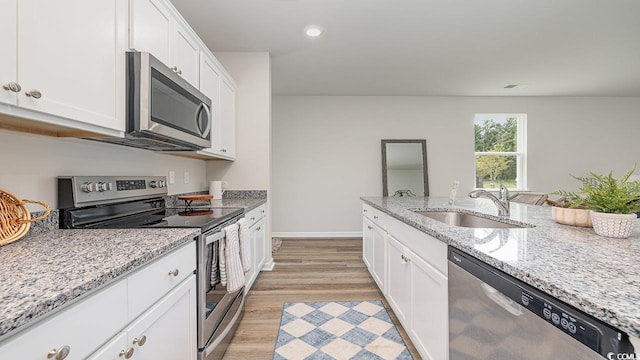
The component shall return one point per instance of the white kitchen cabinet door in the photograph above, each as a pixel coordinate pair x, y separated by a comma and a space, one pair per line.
258, 233
227, 118
399, 280
71, 59
210, 76
8, 68
167, 330
186, 55
379, 258
151, 28
429, 310
367, 242
260, 246
113, 349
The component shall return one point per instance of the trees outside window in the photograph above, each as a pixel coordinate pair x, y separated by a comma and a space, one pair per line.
500, 151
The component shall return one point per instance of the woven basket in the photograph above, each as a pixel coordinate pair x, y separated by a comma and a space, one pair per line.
15, 218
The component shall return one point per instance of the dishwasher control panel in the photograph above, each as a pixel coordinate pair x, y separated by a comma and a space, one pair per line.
562, 318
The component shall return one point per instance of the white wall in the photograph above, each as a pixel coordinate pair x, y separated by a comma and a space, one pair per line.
250, 171
30, 164
326, 150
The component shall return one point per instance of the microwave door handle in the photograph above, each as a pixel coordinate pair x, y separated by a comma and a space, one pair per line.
201, 107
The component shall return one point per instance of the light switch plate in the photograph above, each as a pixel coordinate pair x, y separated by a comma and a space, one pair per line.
186, 177
172, 177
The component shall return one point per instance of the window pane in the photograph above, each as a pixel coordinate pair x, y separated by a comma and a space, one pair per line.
496, 133
493, 170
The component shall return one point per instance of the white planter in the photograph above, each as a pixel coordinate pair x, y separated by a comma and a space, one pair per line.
613, 225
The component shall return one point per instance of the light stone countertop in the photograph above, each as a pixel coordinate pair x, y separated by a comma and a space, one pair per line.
44, 272
598, 275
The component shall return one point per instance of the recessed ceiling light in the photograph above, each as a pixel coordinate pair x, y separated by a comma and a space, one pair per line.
313, 30
510, 86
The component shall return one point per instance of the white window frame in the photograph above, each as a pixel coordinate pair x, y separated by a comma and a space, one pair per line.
520, 153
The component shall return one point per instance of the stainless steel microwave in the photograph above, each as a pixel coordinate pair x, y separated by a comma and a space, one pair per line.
163, 112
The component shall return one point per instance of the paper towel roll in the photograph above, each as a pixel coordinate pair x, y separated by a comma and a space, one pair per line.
216, 188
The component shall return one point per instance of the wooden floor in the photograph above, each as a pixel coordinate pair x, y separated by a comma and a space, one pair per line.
306, 270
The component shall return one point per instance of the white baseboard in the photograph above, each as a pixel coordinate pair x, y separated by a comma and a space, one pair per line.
268, 266
318, 235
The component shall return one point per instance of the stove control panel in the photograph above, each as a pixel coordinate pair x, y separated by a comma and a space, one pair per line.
78, 191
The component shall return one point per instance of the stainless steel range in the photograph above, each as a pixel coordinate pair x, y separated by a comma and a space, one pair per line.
93, 202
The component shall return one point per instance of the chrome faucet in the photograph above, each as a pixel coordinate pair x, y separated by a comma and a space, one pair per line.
502, 203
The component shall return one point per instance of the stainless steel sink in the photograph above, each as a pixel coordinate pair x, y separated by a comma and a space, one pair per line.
467, 220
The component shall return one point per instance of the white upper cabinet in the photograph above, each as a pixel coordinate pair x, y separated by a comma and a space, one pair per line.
215, 84
210, 76
157, 29
227, 118
67, 60
8, 68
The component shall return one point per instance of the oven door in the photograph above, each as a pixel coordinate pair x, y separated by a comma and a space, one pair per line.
219, 311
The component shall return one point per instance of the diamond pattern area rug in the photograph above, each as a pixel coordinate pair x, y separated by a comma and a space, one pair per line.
346, 330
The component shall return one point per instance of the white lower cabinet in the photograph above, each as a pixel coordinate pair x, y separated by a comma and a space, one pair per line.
367, 242
77, 330
414, 266
379, 267
258, 238
429, 309
98, 327
116, 348
399, 285
167, 330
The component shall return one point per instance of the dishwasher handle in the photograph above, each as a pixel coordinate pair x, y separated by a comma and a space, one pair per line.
503, 301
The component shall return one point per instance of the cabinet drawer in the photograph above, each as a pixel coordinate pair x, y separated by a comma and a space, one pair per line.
255, 214
375, 215
149, 284
82, 327
425, 246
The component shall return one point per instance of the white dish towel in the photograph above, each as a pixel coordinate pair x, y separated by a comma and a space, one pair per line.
245, 244
231, 273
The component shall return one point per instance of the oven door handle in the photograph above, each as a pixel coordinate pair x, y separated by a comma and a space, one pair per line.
214, 237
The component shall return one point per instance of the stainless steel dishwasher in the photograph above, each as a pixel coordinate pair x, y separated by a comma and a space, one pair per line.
494, 316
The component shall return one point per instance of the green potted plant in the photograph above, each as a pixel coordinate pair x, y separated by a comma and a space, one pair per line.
613, 202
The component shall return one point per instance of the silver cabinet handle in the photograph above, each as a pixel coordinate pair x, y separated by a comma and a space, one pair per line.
127, 354
223, 150
179, 72
258, 229
12, 86
36, 94
406, 259
59, 354
174, 68
375, 217
252, 218
365, 210
140, 341
174, 272
369, 227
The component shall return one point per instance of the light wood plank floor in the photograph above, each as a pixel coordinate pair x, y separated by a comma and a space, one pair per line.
306, 270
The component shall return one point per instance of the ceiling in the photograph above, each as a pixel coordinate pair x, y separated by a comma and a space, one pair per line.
433, 47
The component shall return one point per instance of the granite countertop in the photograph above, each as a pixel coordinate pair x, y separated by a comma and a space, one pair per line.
598, 275
43, 272
247, 204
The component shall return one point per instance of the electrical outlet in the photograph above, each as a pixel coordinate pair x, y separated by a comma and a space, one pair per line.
186, 177
172, 177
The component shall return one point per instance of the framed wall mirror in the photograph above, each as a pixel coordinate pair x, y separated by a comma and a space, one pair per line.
404, 168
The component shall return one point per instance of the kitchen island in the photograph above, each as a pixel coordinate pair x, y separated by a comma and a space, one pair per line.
596, 275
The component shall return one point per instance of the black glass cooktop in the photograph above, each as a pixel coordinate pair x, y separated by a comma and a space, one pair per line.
144, 214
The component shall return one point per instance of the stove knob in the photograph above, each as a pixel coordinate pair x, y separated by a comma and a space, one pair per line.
87, 187
152, 184
162, 183
101, 186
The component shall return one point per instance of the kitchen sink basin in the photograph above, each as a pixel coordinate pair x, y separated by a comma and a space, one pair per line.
467, 220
